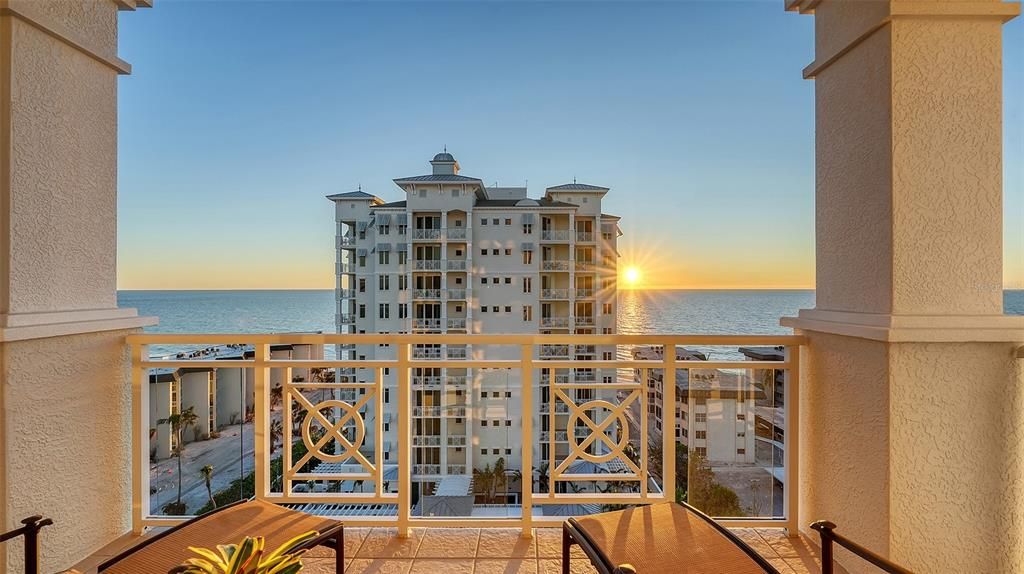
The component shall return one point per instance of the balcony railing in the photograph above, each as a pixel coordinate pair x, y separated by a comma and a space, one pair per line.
457, 352
584, 293
457, 294
427, 265
554, 293
584, 236
426, 234
585, 265
554, 322
426, 382
345, 319
554, 265
426, 440
346, 242
555, 235
457, 233
457, 380
340, 424
585, 320
426, 324
426, 294
457, 324
554, 351
456, 264
346, 293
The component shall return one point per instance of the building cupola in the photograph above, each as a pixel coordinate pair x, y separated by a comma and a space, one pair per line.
444, 164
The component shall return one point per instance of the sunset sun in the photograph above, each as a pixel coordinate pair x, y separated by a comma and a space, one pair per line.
632, 276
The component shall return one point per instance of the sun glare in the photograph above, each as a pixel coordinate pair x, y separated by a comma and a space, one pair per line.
632, 276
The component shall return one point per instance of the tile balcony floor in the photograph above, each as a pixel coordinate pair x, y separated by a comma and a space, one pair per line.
487, 551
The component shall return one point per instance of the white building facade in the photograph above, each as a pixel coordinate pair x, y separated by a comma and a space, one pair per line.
458, 257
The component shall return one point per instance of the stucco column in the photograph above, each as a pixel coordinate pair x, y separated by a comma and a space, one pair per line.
912, 411
65, 412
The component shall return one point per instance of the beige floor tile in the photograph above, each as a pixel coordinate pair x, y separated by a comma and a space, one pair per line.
449, 543
385, 543
353, 539
506, 566
780, 565
505, 543
551, 566
441, 566
548, 542
320, 565
379, 566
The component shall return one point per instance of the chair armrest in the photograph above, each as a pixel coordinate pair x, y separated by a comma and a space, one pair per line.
624, 569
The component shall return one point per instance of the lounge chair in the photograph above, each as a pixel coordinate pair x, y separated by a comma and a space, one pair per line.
228, 525
678, 538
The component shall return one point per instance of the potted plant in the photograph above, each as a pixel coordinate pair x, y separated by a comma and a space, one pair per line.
247, 557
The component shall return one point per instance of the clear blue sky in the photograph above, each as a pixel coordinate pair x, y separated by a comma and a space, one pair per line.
239, 118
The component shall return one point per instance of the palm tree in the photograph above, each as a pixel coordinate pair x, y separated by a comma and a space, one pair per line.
484, 480
207, 473
179, 422
542, 477
500, 477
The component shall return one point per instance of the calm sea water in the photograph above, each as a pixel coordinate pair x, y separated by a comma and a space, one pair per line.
676, 311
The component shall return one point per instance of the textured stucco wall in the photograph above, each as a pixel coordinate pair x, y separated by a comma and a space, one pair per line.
947, 166
62, 238
66, 433
853, 235
957, 457
844, 438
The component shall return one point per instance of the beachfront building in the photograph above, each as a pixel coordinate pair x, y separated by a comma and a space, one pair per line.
220, 397
456, 256
714, 411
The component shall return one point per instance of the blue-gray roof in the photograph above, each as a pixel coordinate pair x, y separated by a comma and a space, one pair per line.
438, 178
577, 187
352, 195
444, 156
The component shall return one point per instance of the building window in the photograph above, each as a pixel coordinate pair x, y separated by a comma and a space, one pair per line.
483, 252
403, 282
527, 284
527, 313
483, 423
483, 308
458, 280
527, 257
458, 253
362, 285
362, 261
402, 257
483, 281
701, 435
423, 193
508, 221
455, 193
508, 308
495, 221
508, 281
383, 282
495, 251
403, 310
458, 223
700, 417
402, 228
483, 221
741, 417
606, 308
458, 308
508, 251
741, 451
606, 330
362, 311
384, 229
385, 311
384, 257
527, 228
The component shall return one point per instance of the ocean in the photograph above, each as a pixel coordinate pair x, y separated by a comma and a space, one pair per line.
642, 311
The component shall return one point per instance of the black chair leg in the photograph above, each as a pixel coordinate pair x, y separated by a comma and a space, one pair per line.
566, 547
339, 552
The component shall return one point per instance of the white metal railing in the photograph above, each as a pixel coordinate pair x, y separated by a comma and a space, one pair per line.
458, 324
426, 469
584, 265
345, 319
585, 236
586, 349
346, 293
554, 321
584, 293
554, 350
555, 235
426, 294
426, 440
456, 469
346, 242
554, 293
426, 352
337, 432
457, 352
584, 320
427, 265
456, 264
456, 293
426, 234
426, 381
427, 324
554, 265
456, 233
457, 380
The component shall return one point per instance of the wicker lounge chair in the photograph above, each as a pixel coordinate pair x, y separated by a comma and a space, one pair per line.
678, 538
228, 525
660, 538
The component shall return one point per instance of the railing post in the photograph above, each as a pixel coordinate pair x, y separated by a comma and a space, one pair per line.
404, 458
668, 435
825, 529
791, 456
140, 438
526, 483
261, 419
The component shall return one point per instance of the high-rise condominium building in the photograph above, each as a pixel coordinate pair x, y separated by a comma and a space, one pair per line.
458, 257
